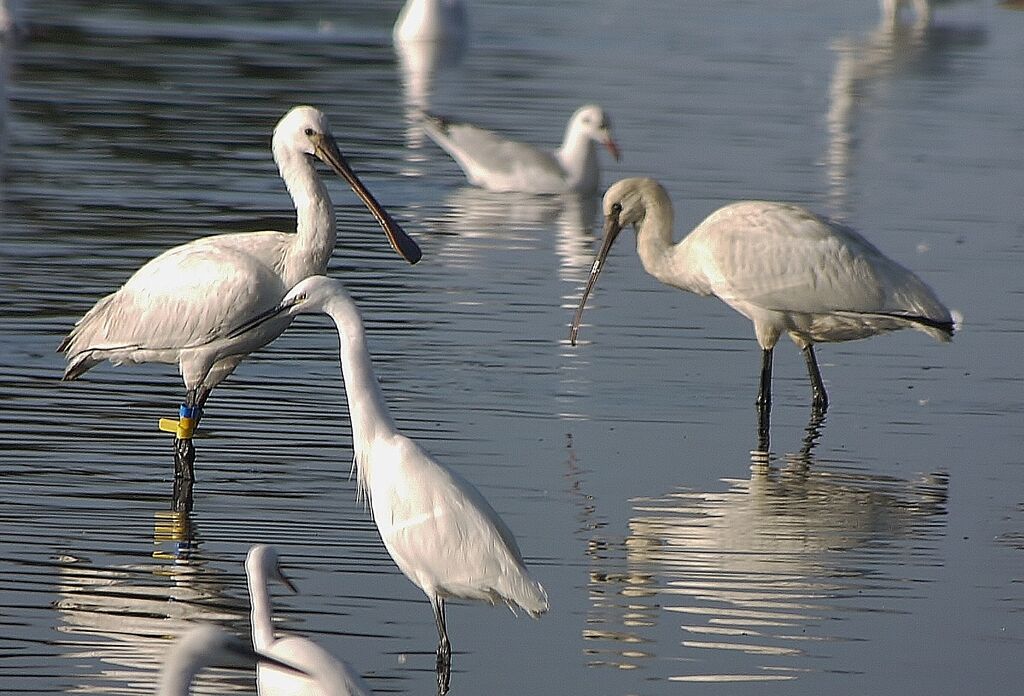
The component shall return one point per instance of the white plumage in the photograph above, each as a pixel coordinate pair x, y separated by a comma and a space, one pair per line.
431, 20
178, 307
496, 163
440, 531
786, 269
324, 674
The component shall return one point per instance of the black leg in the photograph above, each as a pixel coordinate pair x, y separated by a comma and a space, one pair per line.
817, 387
444, 648
184, 450
764, 400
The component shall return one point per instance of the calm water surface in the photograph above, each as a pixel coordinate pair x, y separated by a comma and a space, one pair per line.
882, 551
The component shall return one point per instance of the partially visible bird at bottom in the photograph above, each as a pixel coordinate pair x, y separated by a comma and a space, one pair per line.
438, 528
786, 269
323, 673
205, 646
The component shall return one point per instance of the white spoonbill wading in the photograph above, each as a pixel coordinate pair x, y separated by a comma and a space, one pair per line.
431, 20
205, 646
440, 531
781, 266
496, 163
178, 307
322, 673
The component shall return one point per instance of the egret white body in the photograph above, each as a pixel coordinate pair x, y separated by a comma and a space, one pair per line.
431, 20
440, 531
179, 306
786, 269
206, 646
325, 675
496, 163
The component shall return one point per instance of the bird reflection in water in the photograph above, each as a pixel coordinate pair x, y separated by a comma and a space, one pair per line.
765, 569
894, 49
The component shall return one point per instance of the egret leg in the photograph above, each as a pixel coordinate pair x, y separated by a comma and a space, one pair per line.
764, 400
817, 386
444, 648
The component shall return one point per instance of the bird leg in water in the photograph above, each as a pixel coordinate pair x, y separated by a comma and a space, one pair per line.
183, 429
444, 648
764, 400
817, 386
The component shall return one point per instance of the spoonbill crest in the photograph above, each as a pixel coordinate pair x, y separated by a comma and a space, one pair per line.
205, 646
440, 531
322, 673
784, 268
179, 305
496, 163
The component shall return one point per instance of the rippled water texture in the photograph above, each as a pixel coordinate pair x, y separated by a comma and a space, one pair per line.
881, 550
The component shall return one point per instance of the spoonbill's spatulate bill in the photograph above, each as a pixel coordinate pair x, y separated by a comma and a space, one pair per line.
205, 646
322, 673
438, 528
496, 163
431, 20
786, 269
178, 307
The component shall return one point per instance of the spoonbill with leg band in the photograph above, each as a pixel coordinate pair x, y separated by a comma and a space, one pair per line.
440, 531
786, 269
178, 306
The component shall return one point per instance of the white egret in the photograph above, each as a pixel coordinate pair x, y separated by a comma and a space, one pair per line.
440, 531
323, 673
178, 306
496, 163
205, 646
431, 20
784, 268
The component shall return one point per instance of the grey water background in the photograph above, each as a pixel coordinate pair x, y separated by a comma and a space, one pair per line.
881, 552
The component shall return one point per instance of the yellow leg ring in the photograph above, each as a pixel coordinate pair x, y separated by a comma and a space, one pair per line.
183, 427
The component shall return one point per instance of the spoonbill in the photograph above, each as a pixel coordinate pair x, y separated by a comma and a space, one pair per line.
205, 646
440, 530
322, 673
779, 265
177, 307
496, 163
431, 20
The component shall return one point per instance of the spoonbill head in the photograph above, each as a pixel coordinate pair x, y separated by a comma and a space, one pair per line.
178, 307
437, 527
205, 646
786, 269
431, 20
322, 673
497, 163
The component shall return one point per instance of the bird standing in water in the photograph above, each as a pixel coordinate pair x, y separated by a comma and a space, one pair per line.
786, 269
179, 306
439, 529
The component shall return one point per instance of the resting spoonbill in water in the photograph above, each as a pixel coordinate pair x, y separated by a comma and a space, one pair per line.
784, 268
496, 163
178, 307
205, 646
438, 528
322, 673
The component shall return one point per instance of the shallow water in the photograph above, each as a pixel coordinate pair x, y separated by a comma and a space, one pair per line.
880, 553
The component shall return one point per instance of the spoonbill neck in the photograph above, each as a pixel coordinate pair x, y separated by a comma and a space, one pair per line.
316, 231
262, 612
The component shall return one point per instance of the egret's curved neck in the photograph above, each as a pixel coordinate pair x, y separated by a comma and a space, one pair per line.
367, 409
262, 612
578, 158
316, 232
660, 257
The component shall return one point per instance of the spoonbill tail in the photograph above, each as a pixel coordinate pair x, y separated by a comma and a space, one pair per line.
178, 306
438, 528
496, 163
322, 673
431, 20
208, 646
781, 266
